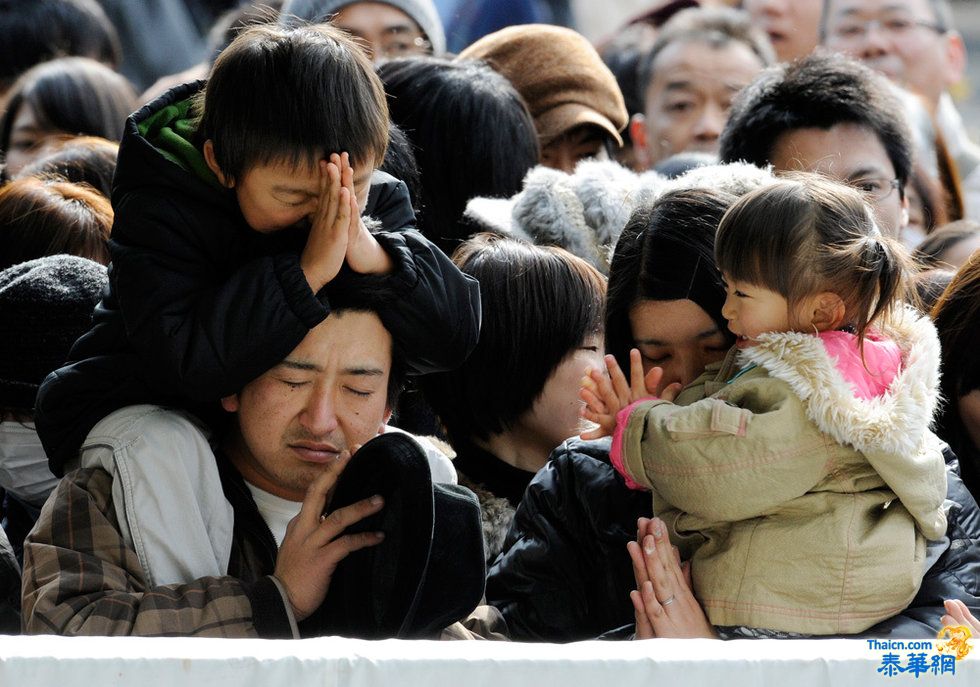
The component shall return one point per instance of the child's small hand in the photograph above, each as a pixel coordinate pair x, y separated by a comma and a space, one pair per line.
605, 396
364, 254
326, 245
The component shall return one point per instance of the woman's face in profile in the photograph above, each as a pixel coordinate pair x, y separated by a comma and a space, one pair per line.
678, 336
556, 413
25, 134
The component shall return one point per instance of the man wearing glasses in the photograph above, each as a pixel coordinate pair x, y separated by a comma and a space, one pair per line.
830, 114
914, 44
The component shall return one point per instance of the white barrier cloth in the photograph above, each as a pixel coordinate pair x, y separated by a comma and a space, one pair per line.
332, 661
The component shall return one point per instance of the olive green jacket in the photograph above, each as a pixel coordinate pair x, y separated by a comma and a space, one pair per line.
803, 507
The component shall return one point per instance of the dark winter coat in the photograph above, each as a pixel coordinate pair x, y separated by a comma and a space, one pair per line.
564, 574
199, 304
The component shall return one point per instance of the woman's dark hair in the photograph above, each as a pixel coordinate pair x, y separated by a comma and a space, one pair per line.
35, 31
79, 159
75, 95
292, 95
666, 252
400, 163
50, 217
539, 304
472, 135
930, 252
957, 319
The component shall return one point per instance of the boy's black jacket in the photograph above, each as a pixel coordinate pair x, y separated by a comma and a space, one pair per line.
199, 304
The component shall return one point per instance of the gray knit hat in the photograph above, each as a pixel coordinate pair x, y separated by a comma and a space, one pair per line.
45, 304
422, 12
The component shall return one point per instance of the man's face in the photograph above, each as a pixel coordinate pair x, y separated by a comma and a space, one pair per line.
581, 143
901, 39
687, 101
850, 153
793, 26
278, 195
327, 396
384, 31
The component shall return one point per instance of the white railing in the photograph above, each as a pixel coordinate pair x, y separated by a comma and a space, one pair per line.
182, 662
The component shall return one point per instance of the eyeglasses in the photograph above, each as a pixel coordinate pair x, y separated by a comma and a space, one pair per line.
876, 188
404, 47
895, 27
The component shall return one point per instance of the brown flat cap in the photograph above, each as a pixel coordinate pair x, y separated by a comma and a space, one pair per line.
560, 76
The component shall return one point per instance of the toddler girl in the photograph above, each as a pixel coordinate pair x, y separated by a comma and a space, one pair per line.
799, 475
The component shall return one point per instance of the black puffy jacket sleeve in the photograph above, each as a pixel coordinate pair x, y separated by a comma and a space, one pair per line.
564, 573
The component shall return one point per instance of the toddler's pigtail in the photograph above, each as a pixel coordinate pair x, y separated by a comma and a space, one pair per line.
883, 268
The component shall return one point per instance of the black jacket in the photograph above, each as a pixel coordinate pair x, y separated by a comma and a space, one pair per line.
564, 574
199, 304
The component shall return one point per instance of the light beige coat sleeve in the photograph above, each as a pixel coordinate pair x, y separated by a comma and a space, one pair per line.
727, 459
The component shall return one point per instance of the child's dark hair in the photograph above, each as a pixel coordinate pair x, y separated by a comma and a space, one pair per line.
292, 95
807, 234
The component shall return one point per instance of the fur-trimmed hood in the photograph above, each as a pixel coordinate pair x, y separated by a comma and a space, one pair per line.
891, 430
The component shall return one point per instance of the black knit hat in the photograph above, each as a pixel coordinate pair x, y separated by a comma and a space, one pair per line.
45, 305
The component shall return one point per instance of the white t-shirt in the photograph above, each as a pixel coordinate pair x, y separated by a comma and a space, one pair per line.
276, 511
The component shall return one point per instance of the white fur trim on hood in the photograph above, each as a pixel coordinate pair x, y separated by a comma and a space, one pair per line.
892, 430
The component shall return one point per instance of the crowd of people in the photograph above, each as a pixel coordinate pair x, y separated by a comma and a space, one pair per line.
314, 327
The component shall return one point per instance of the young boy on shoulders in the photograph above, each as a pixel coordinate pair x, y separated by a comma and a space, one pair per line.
236, 202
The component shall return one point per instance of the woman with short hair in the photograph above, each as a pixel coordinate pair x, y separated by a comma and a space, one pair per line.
516, 396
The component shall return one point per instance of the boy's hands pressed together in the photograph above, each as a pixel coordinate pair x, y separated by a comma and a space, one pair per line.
364, 254
326, 245
607, 394
337, 232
